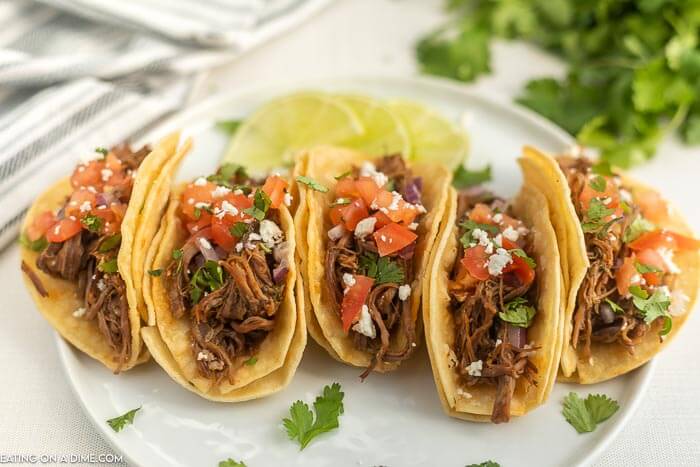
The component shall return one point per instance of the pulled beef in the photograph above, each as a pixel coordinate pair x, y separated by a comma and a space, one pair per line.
389, 314
604, 255
230, 322
38, 285
65, 260
475, 306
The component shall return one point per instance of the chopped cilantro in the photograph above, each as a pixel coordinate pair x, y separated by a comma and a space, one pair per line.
636, 228
521, 253
102, 151
652, 308
110, 243
238, 229
37, 245
518, 312
603, 168
595, 217
108, 266
229, 126
261, 203
599, 184
177, 254
485, 464
118, 423
302, 426
343, 175
206, 279
227, 172
155, 272
92, 223
311, 183
615, 307
645, 268
469, 226
251, 361
585, 415
232, 463
382, 270
464, 178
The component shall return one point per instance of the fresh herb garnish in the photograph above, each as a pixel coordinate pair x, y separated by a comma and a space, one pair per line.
638, 226
202, 207
110, 243
585, 415
603, 168
382, 270
229, 126
102, 151
118, 423
599, 184
36, 245
595, 217
485, 464
469, 226
518, 312
108, 266
464, 178
206, 279
155, 272
227, 172
390, 185
232, 463
251, 361
645, 268
343, 175
521, 253
652, 308
177, 254
238, 229
92, 223
302, 426
615, 307
261, 203
311, 183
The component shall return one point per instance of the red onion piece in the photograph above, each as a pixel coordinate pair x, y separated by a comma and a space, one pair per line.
408, 251
517, 336
412, 192
279, 274
606, 313
206, 249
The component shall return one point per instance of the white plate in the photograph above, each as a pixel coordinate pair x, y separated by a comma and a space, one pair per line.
392, 419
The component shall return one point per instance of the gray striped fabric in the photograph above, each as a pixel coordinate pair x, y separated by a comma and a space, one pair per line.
78, 74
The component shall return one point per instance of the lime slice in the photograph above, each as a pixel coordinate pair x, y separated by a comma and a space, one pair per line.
433, 138
384, 132
271, 136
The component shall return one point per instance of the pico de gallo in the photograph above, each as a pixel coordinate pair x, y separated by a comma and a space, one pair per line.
80, 241
228, 278
492, 297
628, 289
374, 226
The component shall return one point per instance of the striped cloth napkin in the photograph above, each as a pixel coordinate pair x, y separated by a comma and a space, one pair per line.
80, 74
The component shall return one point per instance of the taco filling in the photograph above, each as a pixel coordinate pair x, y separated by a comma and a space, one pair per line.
80, 241
228, 277
492, 290
629, 286
369, 261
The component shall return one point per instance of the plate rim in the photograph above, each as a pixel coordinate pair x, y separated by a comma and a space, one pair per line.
68, 355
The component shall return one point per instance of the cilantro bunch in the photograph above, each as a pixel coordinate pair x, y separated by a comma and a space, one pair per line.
633, 65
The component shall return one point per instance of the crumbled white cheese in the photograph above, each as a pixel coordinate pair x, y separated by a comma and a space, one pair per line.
489, 248
202, 205
404, 292
91, 189
511, 234
190, 201
679, 303
106, 174
288, 199
270, 233
474, 368
253, 237
101, 284
86, 206
349, 279
237, 191
281, 252
481, 236
497, 218
625, 196
201, 181
365, 227
667, 256
498, 342
336, 232
367, 169
203, 355
413, 226
364, 324
498, 261
220, 191
395, 200
79, 312
239, 247
205, 243
498, 240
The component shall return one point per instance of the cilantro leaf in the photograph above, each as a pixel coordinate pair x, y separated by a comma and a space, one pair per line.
518, 312
343, 175
301, 425
311, 183
108, 266
261, 203
603, 168
207, 278
102, 151
654, 307
37, 245
110, 243
177, 254
585, 415
636, 228
521, 253
601, 407
92, 223
232, 463
251, 361
238, 229
469, 226
229, 126
464, 178
485, 464
155, 272
228, 172
118, 423
382, 270
645, 268
595, 217
599, 184
614, 306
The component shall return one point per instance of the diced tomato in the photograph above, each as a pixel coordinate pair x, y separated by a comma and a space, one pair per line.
40, 225
481, 213
382, 220
345, 188
383, 199
354, 299
521, 269
474, 260
654, 259
463, 278
507, 221
400, 211
664, 239
119, 211
508, 245
239, 202
392, 238
367, 189
653, 207
78, 200
221, 234
198, 225
113, 163
336, 214
354, 213
88, 174
611, 191
195, 194
625, 274
63, 230
109, 219
275, 187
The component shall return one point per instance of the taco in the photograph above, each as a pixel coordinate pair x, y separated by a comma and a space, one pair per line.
369, 226
224, 318
79, 249
491, 305
631, 265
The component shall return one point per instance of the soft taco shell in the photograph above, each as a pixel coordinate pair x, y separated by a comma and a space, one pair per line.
277, 357
322, 164
476, 403
62, 299
607, 360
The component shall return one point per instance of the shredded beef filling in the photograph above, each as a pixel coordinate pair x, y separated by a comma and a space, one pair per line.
388, 312
475, 306
593, 318
77, 258
228, 324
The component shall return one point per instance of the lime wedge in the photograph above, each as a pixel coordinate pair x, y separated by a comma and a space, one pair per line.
271, 136
433, 138
384, 132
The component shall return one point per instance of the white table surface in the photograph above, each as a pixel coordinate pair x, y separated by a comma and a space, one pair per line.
38, 412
